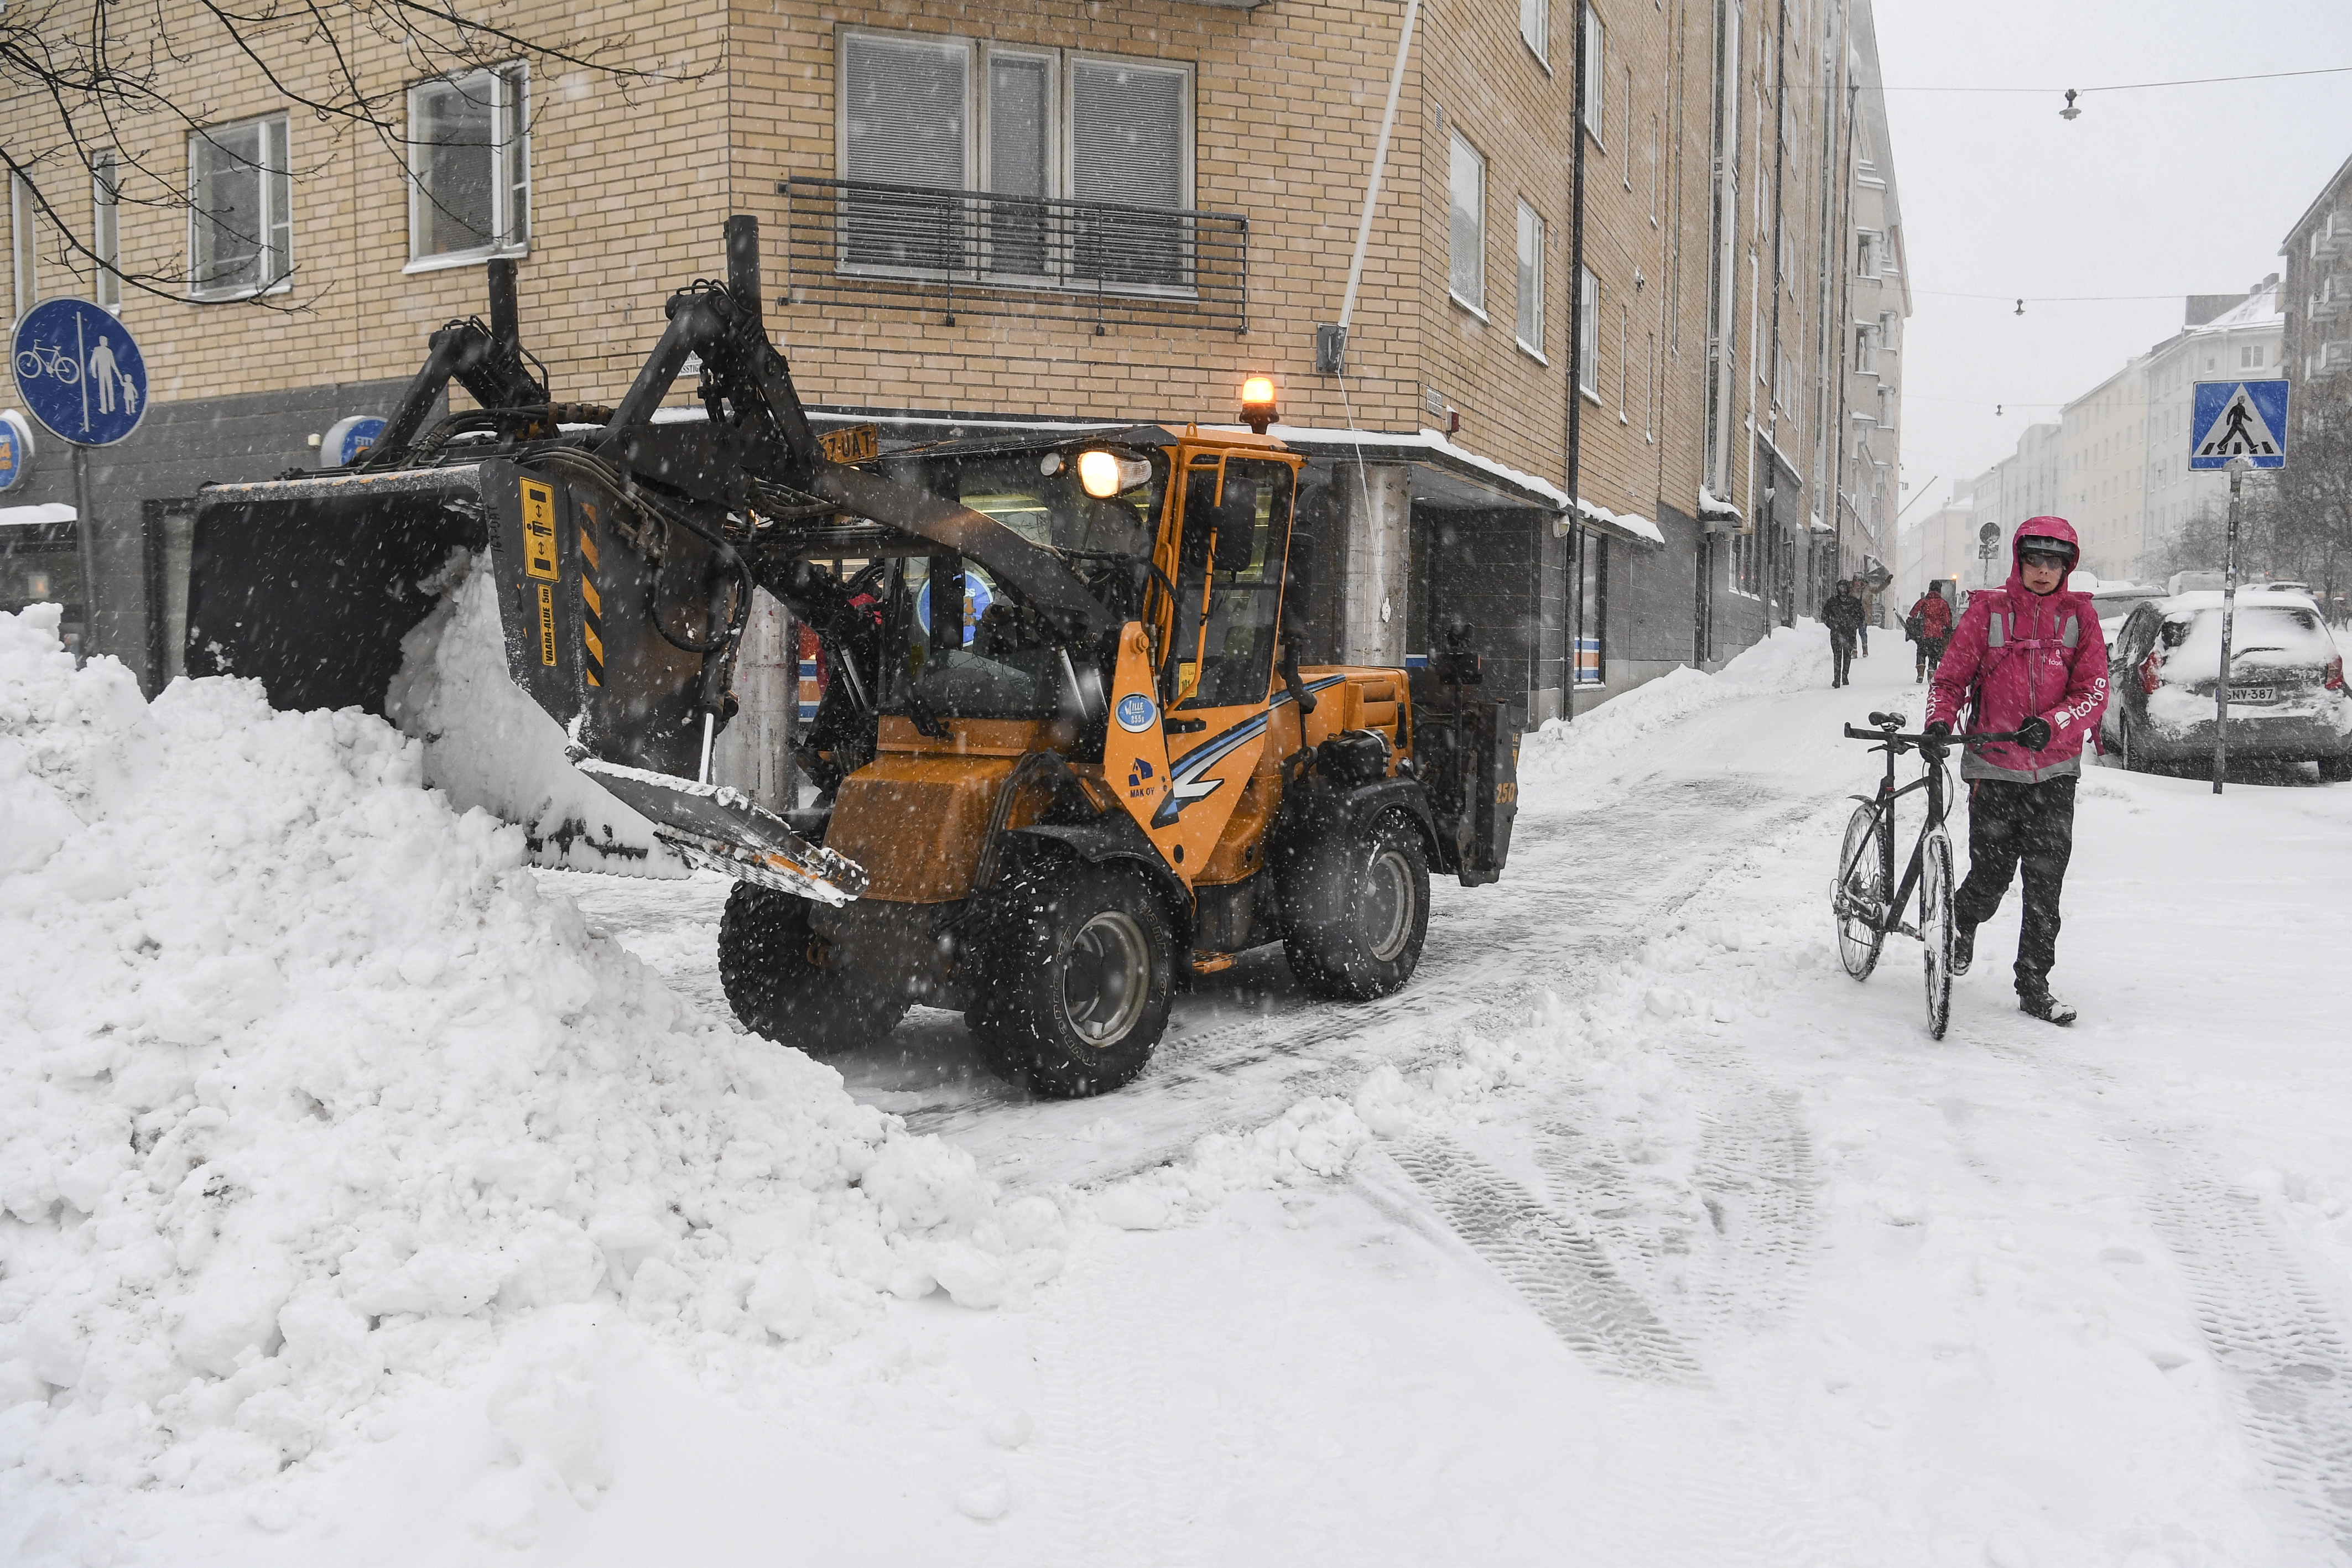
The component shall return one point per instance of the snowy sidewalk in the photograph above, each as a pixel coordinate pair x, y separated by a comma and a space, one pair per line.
1636, 1233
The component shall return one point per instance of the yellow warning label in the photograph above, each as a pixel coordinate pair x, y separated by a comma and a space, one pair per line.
539, 532
546, 624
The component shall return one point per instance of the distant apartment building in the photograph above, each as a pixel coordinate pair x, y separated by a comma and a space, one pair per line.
2116, 462
1634, 264
2317, 295
1867, 457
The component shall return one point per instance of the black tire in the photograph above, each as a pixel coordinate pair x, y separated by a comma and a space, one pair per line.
1078, 967
2135, 760
1935, 927
1858, 896
1355, 911
763, 966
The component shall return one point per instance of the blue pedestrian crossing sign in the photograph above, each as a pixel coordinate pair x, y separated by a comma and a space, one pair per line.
78, 372
2239, 419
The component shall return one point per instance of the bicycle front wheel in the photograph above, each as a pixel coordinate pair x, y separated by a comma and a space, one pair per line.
28, 365
1935, 926
1860, 893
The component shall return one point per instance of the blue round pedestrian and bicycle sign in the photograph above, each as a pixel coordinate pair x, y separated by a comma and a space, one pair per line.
78, 372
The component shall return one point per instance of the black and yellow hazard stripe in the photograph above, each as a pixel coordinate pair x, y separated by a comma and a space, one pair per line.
591, 604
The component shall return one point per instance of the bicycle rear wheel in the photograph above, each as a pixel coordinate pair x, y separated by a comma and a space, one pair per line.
1935, 926
1859, 895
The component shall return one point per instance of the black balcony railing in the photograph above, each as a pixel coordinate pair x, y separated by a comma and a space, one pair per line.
976, 253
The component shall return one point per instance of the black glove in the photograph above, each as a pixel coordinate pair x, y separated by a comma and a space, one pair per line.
2033, 734
1939, 729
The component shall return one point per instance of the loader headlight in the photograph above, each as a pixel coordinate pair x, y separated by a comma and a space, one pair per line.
1103, 474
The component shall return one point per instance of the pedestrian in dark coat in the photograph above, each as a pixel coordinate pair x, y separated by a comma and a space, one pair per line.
1842, 616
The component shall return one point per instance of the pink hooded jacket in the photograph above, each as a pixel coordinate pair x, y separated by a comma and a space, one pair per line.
2015, 656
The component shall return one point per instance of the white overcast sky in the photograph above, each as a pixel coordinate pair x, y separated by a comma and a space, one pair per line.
2171, 191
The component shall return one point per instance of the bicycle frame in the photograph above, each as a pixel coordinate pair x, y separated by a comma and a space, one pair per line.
1933, 750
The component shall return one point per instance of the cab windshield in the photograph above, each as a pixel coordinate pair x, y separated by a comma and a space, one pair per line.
1037, 496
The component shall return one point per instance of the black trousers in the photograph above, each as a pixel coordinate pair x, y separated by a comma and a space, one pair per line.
2013, 826
1841, 656
1931, 654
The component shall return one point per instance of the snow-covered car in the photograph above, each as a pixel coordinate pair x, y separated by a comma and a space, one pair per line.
2287, 696
2115, 601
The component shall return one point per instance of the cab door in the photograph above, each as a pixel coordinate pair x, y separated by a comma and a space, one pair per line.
1231, 544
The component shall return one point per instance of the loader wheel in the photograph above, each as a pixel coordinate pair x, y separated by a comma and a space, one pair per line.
763, 964
1355, 911
1080, 966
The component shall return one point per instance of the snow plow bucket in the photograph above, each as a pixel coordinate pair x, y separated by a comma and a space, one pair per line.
308, 585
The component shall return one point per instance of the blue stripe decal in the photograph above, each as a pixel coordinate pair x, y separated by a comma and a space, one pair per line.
1185, 784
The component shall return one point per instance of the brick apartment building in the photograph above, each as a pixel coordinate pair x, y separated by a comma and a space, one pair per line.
1598, 392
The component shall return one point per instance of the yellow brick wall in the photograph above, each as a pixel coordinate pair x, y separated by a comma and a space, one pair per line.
632, 181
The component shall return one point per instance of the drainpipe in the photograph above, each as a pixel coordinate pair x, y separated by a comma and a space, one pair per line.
1575, 353
1780, 245
1844, 307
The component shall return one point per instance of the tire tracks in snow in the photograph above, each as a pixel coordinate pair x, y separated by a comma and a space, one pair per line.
2281, 1344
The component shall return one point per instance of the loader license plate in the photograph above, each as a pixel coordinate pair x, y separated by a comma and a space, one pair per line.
2254, 694
851, 443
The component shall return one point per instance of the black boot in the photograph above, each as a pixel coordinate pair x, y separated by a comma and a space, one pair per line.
2045, 1007
1964, 947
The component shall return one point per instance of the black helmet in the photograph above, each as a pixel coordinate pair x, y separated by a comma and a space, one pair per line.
2048, 544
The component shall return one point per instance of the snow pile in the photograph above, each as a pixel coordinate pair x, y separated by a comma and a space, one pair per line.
1787, 659
487, 744
309, 1097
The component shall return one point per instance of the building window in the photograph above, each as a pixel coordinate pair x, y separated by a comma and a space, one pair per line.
948, 114
1467, 255
238, 232
106, 227
1535, 27
1587, 334
1531, 281
1865, 350
1588, 611
1748, 565
2249, 359
470, 166
1625, 363
1653, 171
22, 249
1596, 62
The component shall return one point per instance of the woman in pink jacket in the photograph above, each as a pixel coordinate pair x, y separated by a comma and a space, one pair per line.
2026, 657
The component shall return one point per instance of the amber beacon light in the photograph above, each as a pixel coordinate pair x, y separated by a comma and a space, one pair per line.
1257, 403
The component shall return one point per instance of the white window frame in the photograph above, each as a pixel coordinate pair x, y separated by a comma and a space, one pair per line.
24, 242
1535, 30
1588, 335
510, 88
1625, 164
106, 228
1476, 301
277, 185
1530, 333
1596, 75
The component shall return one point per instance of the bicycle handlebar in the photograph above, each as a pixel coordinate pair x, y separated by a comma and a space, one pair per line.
1907, 742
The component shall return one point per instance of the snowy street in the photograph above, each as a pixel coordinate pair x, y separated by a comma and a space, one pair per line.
1634, 1231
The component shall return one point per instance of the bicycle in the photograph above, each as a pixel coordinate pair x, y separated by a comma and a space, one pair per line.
33, 363
1864, 912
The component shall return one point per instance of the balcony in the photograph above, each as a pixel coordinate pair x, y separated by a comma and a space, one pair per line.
2332, 235
2332, 299
975, 253
2329, 358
